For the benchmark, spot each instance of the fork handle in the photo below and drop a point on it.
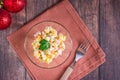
(66, 73)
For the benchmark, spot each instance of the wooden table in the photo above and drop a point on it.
(102, 18)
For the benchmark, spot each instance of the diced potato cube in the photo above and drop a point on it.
(49, 60)
(37, 55)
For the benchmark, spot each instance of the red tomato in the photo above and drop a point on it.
(5, 19)
(14, 5)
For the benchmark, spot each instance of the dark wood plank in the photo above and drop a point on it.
(88, 11)
(52, 2)
(10, 66)
(33, 9)
(30, 14)
(110, 38)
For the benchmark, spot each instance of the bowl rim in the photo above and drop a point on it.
(48, 64)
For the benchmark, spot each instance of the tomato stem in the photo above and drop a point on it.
(1, 3)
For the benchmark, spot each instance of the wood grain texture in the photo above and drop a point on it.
(101, 17)
(110, 38)
(88, 11)
(10, 66)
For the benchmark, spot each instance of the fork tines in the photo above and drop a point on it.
(84, 46)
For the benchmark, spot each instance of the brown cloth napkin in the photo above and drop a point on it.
(64, 14)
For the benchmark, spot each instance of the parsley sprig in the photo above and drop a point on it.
(44, 44)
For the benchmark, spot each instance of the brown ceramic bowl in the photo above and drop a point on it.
(40, 27)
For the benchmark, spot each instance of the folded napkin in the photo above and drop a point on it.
(64, 14)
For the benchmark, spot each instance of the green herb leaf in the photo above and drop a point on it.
(44, 44)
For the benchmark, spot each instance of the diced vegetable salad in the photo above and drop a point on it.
(48, 44)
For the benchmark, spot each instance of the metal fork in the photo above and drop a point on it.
(81, 50)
